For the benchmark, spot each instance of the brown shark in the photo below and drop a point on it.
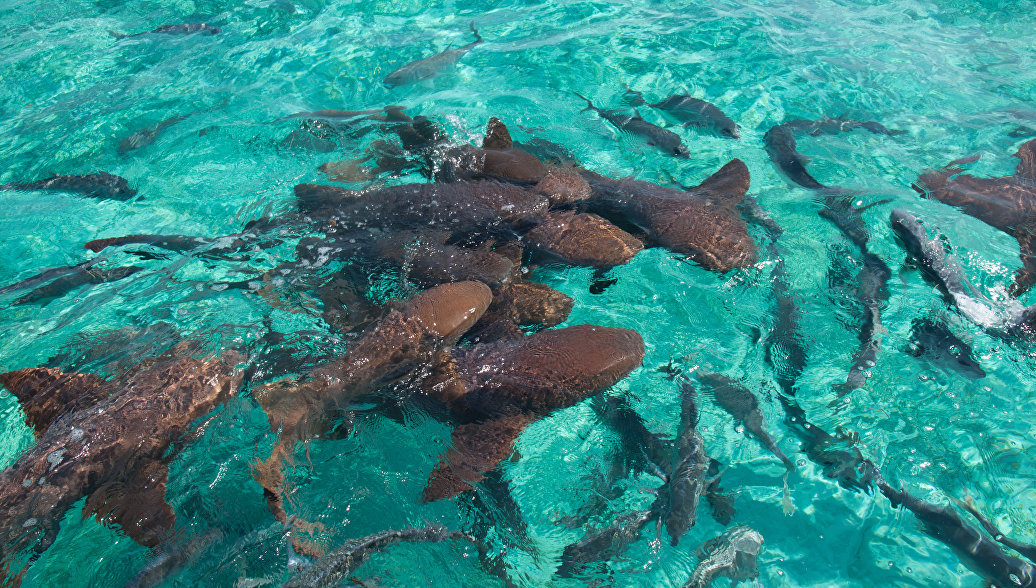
(583, 239)
(432, 261)
(107, 441)
(495, 390)
(457, 207)
(306, 408)
(520, 303)
(1007, 203)
(496, 159)
(702, 223)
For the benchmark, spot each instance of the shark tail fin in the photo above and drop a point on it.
(590, 105)
(478, 37)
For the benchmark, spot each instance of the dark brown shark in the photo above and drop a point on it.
(101, 185)
(583, 239)
(307, 408)
(495, 390)
(432, 261)
(107, 441)
(1007, 203)
(460, 207)
(517, 304)
(702, 222)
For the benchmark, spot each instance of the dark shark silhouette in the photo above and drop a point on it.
(429, 67)
(666, 141)
(976, 550)
(692, 112)
(933, 340)
(331, 569)
(174, 29)
(741, 404)
(101, 185)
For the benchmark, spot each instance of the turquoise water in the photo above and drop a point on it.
(956, 77)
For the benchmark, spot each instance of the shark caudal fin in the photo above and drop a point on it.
(633, 97)
(590, 105)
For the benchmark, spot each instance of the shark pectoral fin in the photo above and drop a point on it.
(477, 448)
(727, 186)
(47, 393)
(1027, 166)
(136, 504)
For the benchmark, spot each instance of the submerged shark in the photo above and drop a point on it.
(107, 441)
(732, 554)
(741, 404)
(429, 67)
(174, 29)
(147, 136)
(976, 550)
(692, 112)
(101, 185)
(1007, 203)
(939, 266)
(666, 141)
(331, 569)
(934, 341)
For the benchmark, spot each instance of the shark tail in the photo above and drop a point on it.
(590, 105)
(478, 37)
(117, 35)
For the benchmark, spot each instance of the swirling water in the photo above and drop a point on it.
(958, 77)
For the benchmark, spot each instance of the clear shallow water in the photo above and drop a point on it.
(956, 78)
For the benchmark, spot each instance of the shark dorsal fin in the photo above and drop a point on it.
(47, 393)
(1027, 166)
(727, 186)
(497, 135)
